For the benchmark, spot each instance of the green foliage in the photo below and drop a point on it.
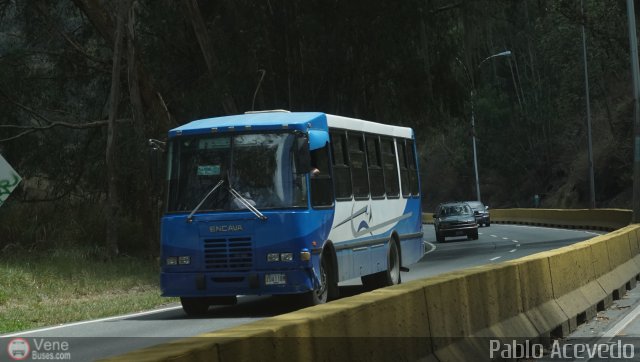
(391, 62)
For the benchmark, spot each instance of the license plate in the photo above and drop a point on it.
(275, 279)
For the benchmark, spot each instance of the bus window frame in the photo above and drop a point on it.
(322, 176)
(403, 166)
(397, 174)
(359, 135)
(415, 163)
(378, 152)
(342, 133)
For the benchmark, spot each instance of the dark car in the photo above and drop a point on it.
(481, 212)
(455, 219)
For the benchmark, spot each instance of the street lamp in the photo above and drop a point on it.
(635, 71)
(505, 53)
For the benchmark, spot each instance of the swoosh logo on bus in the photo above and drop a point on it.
(381, 225)
(353, 216)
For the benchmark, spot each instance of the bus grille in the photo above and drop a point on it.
(233, 254)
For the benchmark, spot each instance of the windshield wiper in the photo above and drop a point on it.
(190, 217)
(246, 203)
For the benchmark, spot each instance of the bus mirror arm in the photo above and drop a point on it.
(156, 145)
(156, 158)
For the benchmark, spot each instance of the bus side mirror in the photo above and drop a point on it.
(156, 158)
(303, 156)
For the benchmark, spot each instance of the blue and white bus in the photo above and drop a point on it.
(272, 203)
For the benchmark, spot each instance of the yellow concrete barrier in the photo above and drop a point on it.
(536, 293)
(434, 318)
(600, 219)
(574, 285)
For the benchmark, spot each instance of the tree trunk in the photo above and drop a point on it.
(152, 117)
(113, 203)
(145, 189)
(213, 63)
(154, 105)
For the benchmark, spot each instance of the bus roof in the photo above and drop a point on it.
(368, 126)
(290, 120)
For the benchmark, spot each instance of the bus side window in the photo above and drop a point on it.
(320, 161)
(321, 184)
(341, 169)
(413, 169)
(404, 168)
(376, 178)
(358, 166)
(391, 183)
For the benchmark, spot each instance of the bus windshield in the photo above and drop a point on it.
(259, 166)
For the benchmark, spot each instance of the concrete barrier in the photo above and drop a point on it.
(596, 219)
(446, 318)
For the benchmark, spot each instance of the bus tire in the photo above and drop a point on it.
(389, 277)
(328, 282)
(194, 307)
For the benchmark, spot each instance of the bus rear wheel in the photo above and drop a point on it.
(389, 277)
(195, 307)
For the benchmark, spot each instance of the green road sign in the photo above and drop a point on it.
(9, 179)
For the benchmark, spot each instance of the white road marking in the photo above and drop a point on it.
(493, 236)
(512, 251)
(505, 238)
(433, 247)
(91, 321)
(515, 241)
(496, 258)
(592, 233)
(622, 324)
(615, 330)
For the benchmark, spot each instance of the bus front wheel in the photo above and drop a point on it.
(391, 276)
(195, 307)
(328, 288)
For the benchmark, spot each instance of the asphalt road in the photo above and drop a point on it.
(94, 339)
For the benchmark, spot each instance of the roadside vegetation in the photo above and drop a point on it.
(68, 284)
(79, 235)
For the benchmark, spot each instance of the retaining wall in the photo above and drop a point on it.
(448, 317)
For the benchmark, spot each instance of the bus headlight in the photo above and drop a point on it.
(178, 260)
(273, 257)
(286, 257)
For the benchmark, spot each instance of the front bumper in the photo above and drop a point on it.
(202, 284)
(458, 231)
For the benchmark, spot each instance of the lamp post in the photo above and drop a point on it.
(635, 71)
(592, 187)
(505, 53)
